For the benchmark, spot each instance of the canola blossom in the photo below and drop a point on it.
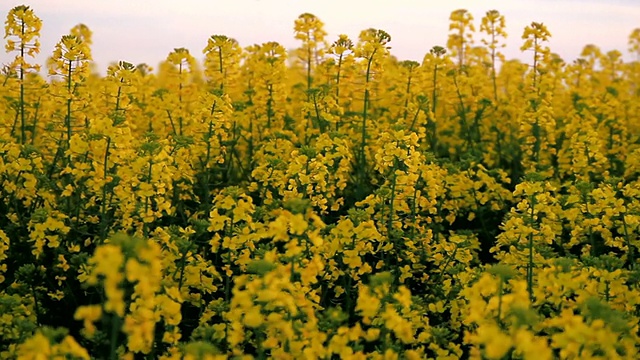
(329, 201)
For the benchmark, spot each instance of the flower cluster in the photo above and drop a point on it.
(331, 201)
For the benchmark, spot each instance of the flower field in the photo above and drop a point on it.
(324, 202)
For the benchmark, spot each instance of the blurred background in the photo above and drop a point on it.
(146, 31)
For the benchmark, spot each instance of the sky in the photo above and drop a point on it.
(146, 31)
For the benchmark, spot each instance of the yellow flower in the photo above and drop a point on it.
(253, 318)
(496, 343)
(368, 304)
(108, 262)
(69, 348)
(37, 347)
(89, 315)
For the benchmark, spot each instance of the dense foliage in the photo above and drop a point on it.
(326, 202)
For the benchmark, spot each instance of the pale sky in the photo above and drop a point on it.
(147, 30)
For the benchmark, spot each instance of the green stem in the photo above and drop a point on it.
(270, 102)
(631, 257)
(22, 117)
(414, 210)
(530, 261)
(462, 113)
(309, 79)
(319, 120)
(221, 69)
(35, 304)
(500, 290)
(173, 126)
(493, 61)
(183, 261)
(146, 201)
(208, 156)
(115, 328)
(446, 264)
(180, 99)
(393, 195)
(434, 97)
(338, 89)
(363, 141)
(103, 211)
(69, 100)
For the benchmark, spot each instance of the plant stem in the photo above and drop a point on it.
(103, 211)
(363, 141)
(530, 245)
(115, 328)
(22, 117)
